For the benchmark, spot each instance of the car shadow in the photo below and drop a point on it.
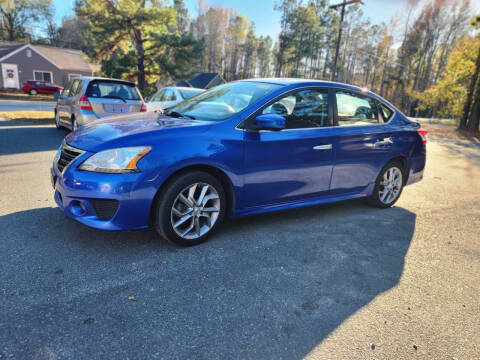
(268, 286)
(17, 137)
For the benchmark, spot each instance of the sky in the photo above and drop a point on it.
(267, 21)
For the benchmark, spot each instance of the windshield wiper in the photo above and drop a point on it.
(115, 97)
(176, 114)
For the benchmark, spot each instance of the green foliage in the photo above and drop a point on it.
(18, 15)
(449, 93)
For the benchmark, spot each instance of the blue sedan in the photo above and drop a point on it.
(243, 148)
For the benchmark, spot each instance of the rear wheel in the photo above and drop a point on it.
(33, 92)
(388, 186)
(190, 208)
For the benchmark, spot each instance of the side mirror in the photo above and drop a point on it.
(147, 99)
(272, 122)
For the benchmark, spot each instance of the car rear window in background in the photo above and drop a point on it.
(188, 93)
(355, 109)
(111, 89)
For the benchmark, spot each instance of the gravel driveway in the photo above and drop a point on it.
(339, 281)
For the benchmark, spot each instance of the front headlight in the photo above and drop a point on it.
(121, 160)
(57, 155)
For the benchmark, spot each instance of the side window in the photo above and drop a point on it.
(355, 109)
(158, 96)
(74, 88)
(169, 95)
(66, 89)
(302, 109)
(385, 112)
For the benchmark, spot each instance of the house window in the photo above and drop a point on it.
(43, 76)
(29, 53)
(71, 76)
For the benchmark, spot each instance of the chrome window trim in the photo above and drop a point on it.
(70, 148)
(318, 128)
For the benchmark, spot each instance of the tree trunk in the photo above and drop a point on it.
(141, 59)
(471, 89)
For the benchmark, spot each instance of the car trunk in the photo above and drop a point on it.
(106, 107)
(113, 97)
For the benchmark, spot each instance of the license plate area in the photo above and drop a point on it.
(116, 108)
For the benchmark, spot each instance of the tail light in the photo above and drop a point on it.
(143, 108)
(423, 134)
(84, 103)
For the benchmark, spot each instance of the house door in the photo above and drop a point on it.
(10, 76)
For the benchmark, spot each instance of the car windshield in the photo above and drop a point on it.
(188, 93)
(111, 89)
(222, 102)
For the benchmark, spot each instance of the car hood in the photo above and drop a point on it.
(130, 130)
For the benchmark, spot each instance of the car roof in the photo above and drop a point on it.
(181, 88)
(306, 82)
(90, 78)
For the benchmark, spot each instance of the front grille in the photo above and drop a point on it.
(104, 208)
(67, 156)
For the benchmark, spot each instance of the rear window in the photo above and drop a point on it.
(113, 90)
(188, 93)
(385, 111)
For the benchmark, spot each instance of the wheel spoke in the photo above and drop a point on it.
(182, 220)
(179, 213)
(209, 197)
(184, 200)
(191, 193)
(202, 195)
(197, 226)
(210, 209)
(187, 230)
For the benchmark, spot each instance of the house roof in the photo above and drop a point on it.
(7, 47)
(63, 58)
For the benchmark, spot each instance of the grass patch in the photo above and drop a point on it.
(28, 115)
(9, 95)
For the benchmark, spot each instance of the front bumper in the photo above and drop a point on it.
(103, 201)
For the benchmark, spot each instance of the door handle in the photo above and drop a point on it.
(386, 141)
(323, 147)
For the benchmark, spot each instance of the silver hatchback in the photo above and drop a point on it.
(86, 99)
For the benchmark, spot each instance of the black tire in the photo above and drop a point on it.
(57, 123)
(375, 198)
(74, 123)
(166, 199)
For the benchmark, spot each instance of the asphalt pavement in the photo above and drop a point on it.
(15, 105)
(338, 281)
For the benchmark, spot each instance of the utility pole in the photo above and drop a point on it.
(333, 76)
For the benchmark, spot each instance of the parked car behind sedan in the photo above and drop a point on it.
(293, 143)
(34, 87)
(169, 96)
(87, 99)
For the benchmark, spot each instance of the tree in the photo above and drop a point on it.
(471, 114)
(117, 24)
(18, 15)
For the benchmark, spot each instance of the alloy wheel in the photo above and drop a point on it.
(391, 185)
(195, 210)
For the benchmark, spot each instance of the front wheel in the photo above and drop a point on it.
(33, 92)
(74, 124)
(190, 208)
(57, 120)
(388, 186)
